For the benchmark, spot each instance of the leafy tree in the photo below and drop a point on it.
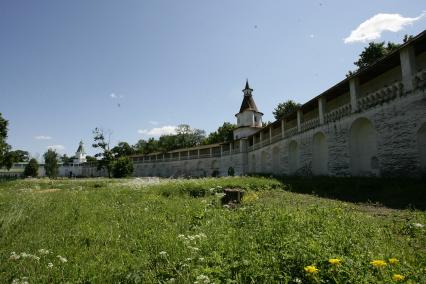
(407, 38)
(123, 149)
(123, 167)
(91, 159)
(21, 156)
(373, 52)
(4, 147)
(31, 169)
(66, 160)
(144, 147)
(188, 137)
(285, 108)
(12, 157)
(106, 156)
(185, 137)
(51, 163)
(224, 133)
(8, 160)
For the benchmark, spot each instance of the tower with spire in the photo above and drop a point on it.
(80, 154)
(249, 119)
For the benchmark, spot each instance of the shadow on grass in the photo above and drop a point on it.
(397, 193)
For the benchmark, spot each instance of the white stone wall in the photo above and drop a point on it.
(378, 128)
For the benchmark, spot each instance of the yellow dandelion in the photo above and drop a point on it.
(311, 269)
(378, 263)
(393, 261)
(335, 261)
(398, 277)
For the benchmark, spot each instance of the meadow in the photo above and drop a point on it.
(177, 231)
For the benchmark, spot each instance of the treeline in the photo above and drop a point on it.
(115, 160)
(185, 137)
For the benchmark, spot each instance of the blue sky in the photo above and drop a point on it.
(67, 67)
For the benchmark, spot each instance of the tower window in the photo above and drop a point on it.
(255, 119)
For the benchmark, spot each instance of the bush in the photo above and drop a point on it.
(231, 172)
(31, 169)
(123, 167)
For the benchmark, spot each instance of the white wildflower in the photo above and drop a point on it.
(50, 265)
(418, 225)
(297, 280)
(202, 279)
(62, 259)
(220, 195)
(163, 253)
(43, 251)
(193, 248)
(14, 256)
(201, 258)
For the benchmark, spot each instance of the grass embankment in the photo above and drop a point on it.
(101, 231)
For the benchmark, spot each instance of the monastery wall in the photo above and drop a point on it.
(370, 124)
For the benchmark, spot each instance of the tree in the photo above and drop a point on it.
(285, 108)
(31, 169)
(224, 133)
(123, 149)
(4, 147)
(407, 38)
(8, 160)
(123, 167)
(66, 160)
(106, 156)
(188, 137)
(16, 156)
(91, 159)
(51, 163)
(373, 52)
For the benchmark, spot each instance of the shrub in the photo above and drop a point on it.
(123, 167)
(31, 169)
(231, 172)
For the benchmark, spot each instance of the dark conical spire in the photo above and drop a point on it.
(248, 102)
(247, 90)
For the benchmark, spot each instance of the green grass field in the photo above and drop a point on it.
(177, 231)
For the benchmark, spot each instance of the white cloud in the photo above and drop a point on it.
(42, 137)
(311, 35)
(158, 131)
(115, 96)
(57, 148)
(153, 122)
(372, 28)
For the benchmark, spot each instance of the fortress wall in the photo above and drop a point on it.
(396, 125)
(371, 124)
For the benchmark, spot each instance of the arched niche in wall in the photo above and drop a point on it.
(215, 167)
(276, 160)
(293, 157)
(200, 168)
(421, 145)
(185, 169)
(264, 161)
(253, 163)
(363, 148)
(319, 154)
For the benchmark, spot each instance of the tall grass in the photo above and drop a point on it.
(132, 231)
